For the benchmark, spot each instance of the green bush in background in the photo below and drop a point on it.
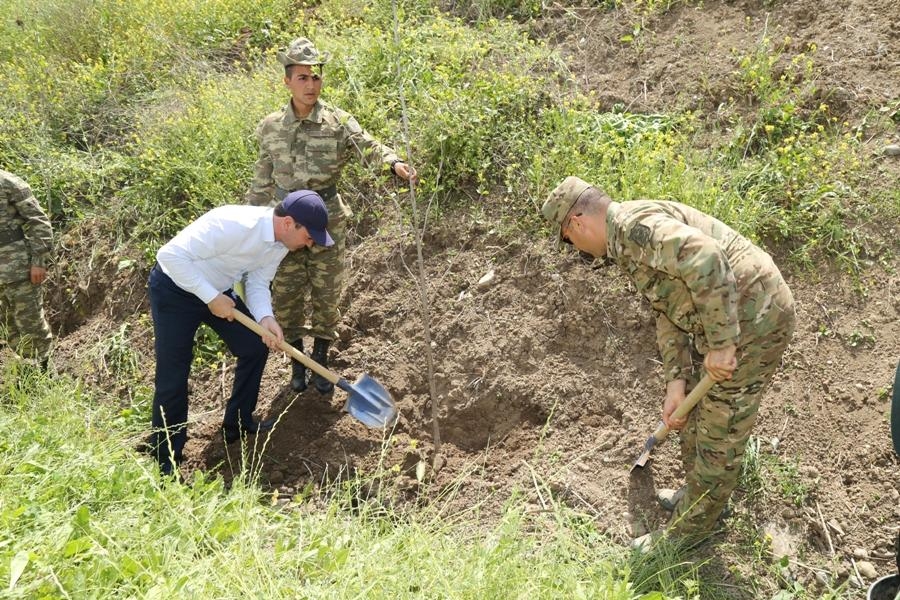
(146, 110)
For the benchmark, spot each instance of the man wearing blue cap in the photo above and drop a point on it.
(191, 284)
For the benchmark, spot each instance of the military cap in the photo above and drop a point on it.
(302, 52)
(561, 199)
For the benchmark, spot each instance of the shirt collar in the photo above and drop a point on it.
(612, 232)
(314, 116)
(268, 233)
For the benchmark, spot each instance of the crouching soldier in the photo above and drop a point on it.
(709, 288)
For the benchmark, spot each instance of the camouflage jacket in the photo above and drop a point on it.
(24, 229)
(703, 280)
(309, 153)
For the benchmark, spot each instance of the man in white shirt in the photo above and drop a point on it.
(191, 284)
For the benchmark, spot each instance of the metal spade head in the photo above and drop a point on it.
(645, 455)
(368, 402)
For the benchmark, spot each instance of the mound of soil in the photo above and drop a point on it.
(686, 56)
(547, 378)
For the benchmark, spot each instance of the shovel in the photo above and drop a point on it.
(367, 400)
(662, 431)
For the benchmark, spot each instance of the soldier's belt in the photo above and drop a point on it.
(8, 236)
(327, 193)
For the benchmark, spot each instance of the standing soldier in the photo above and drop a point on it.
(704, 281)
(305, 145)
(26, 240)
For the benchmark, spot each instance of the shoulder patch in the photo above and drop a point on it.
(639, 234)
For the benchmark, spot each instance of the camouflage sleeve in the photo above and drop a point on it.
(37, 228)
(370, 151)
(262, 187)
(679, 250)
(675, 348)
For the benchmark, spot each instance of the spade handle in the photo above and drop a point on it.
(287, 348)
(689, 403)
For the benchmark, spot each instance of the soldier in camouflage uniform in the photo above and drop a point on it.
(305, 145)
(708, 286)
(26, 240)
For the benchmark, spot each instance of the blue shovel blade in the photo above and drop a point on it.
(368, 402)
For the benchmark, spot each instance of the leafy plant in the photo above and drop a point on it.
(117, 357)
(209, 349)
(763, 474)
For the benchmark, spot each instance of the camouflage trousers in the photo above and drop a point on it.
(713, 441)
(22, 314)
(319, 272)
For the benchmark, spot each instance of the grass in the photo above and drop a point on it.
(84, 516)
(765, 474)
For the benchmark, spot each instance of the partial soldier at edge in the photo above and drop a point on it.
(709, 288)
(306, 145)
(26, 244)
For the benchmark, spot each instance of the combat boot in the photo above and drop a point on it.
(669, 498)
(298, 370)
(320, 355)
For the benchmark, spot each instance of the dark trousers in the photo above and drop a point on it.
(176, 316)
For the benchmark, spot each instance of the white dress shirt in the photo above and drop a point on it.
(213, 252)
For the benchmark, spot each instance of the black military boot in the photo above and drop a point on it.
(298, 370)
(320, 355)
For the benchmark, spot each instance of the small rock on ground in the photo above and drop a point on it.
(866, 569)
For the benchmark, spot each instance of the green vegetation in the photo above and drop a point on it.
(765, 477)
(151, 129)
(764, 474)
(84, 516)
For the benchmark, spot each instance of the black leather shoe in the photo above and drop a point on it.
(264, 425)
(233, 433)
(298, 370)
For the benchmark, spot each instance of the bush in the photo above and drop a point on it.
(146, 111)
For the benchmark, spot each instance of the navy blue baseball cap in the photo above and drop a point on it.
(307, 208)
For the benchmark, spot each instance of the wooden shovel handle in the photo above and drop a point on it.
(689, 403)
(287, 348)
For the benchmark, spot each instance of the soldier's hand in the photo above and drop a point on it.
(38, 275)
(275, 335)
(674, 397)
(222, 306)
(721, 363)
(405, 171)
